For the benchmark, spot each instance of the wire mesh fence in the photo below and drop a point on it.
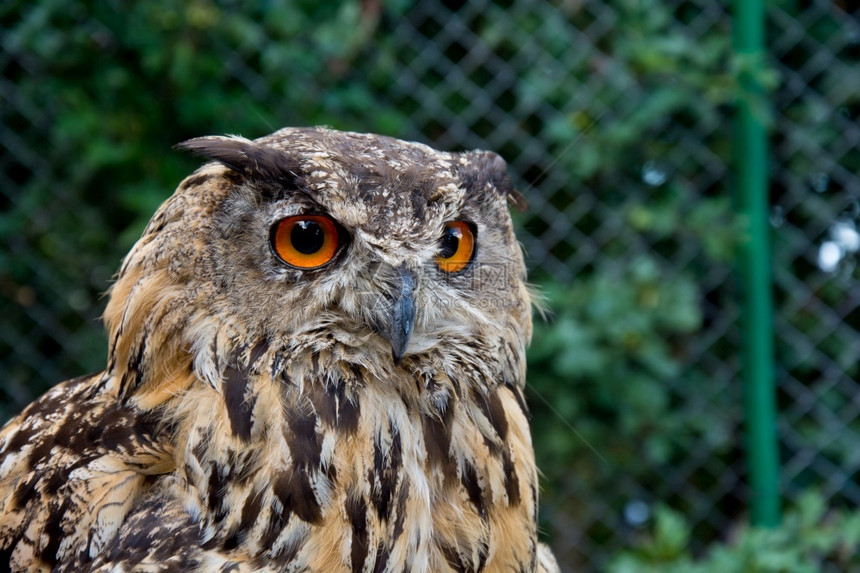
(615, 120)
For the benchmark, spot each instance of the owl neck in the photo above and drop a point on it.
(282, 453)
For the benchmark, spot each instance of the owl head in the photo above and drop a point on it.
(370, 251)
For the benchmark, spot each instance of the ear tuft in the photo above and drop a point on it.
(518, 200)
(487, 166)
(245, 156)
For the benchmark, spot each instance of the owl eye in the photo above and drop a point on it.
(305, 241)
(457, 246)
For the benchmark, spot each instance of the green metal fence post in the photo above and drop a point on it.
(751, 158)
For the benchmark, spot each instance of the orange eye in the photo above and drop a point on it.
(305, 241)
(456, 247)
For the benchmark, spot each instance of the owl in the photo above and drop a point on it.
(316, 363)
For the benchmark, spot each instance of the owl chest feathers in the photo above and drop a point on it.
(330, 468)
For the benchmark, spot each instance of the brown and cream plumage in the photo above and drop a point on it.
(316, 363)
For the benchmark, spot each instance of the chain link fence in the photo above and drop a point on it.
(615, 118)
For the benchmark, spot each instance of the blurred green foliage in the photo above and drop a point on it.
(615, 398)
(608, 360)
(811, 539)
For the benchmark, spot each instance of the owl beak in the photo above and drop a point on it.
(403, 315)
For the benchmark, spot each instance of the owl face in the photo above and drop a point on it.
(343, 241)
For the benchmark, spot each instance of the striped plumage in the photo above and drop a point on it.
(366, 414)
